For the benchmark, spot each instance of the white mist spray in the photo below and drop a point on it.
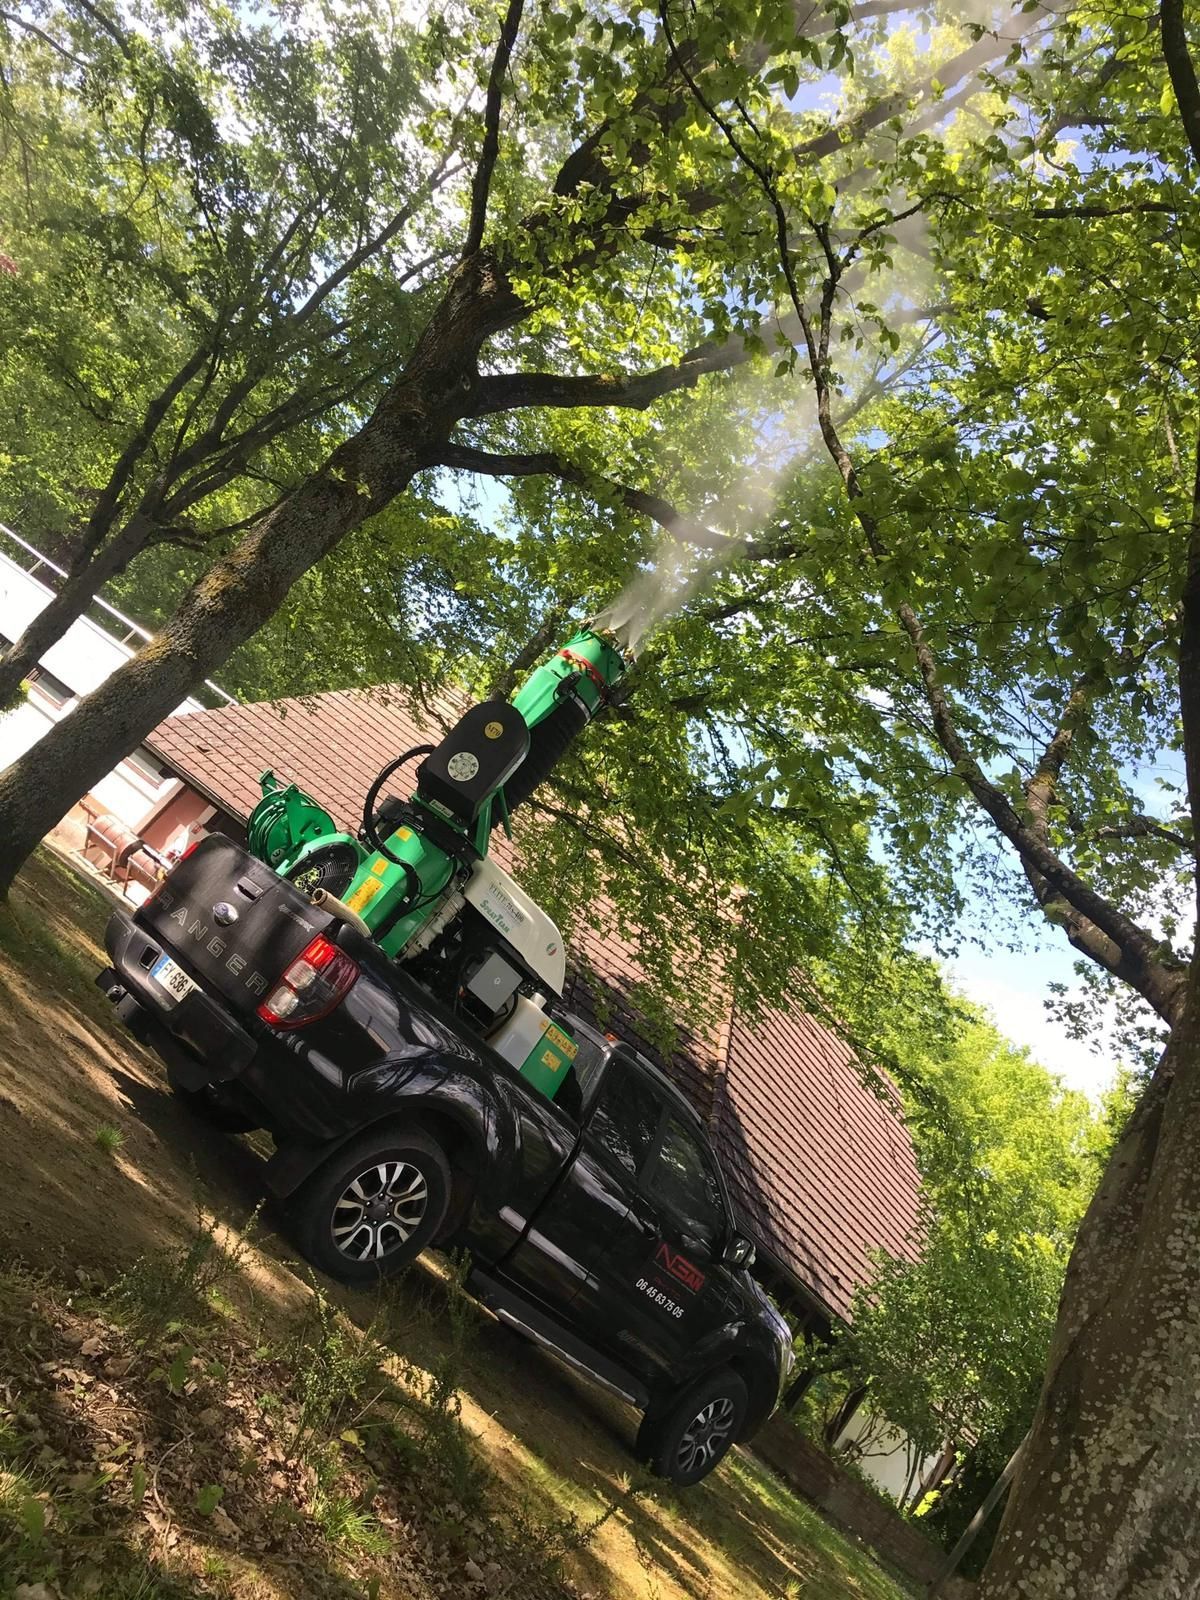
(676, 572)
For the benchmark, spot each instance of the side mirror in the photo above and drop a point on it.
(738, 1252)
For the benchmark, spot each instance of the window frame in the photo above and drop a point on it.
(627, 1060)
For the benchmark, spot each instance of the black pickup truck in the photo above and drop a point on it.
(597, 1223)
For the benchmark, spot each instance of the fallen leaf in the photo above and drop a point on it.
(92, 1347)
(225, 1524)
(33, 1591)
(474, 1571)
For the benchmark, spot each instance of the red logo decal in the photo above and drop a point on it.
(680, 1268)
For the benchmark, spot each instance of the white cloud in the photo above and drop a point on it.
(1018, 1010)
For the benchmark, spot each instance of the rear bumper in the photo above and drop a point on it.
(220, 1046)
(300, 1092)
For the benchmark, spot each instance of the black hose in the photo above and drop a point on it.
(368, 821)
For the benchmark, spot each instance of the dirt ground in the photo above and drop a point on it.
(99, 1164)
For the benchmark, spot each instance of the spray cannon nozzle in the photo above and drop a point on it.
(614, 636)
(591, 664)
(560, 698)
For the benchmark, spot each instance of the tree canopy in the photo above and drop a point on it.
(954, 1344)
(887, 318)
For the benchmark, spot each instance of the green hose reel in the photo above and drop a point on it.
(284, 820)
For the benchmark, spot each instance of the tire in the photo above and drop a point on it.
(373, 1207)
(210, 1107)
(693, 1434)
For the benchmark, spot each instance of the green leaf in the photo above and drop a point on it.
(179, 1370)
(33, 1518)
(208, 1498)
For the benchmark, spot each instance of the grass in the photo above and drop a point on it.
(109, 1140)
(361, 1444)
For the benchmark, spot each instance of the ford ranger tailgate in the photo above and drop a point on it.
(234, 924)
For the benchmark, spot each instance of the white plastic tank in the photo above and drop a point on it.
(517, 1036)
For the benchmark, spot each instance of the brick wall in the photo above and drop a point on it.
(852, 1507)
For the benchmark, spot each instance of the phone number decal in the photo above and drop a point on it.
(660, 1299)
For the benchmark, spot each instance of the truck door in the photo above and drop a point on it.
(625, 1248)
(589, 1212)
(679, 1282)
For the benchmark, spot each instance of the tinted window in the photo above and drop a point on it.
(579, 1081)
(684, 1180)
(626, 1116)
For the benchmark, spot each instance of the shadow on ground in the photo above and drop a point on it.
(555, 1446)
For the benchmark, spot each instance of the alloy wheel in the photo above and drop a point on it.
(706, 1436)
(378, 1211)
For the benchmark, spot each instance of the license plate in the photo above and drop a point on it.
(171, 978)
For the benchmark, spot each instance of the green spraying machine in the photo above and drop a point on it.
(417, 879)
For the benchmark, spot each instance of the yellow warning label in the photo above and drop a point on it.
(379, 866)
(561, 1041)
(493, 730)
(554, 1062)
(364, 894)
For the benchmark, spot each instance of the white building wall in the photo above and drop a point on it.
(24, 727)
(81, 660)
(882, 1453)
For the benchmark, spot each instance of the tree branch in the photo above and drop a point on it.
(1181, 71)
(1189, 661)
(482, 181)
(508, 391)
(543, 636)
(1041, 788)
(547, 463)
(765, 176)
(949, 75)
(1141, 828)
(1096, 927)
(31, 27)
(105, 509)
(109, 27)
(1040, 794)
(1049, 213)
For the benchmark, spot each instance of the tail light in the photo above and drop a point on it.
(318, 979)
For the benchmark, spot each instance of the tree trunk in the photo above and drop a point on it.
(234, 598)
(408, 431)
(1106, 1505)
(68, 605)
